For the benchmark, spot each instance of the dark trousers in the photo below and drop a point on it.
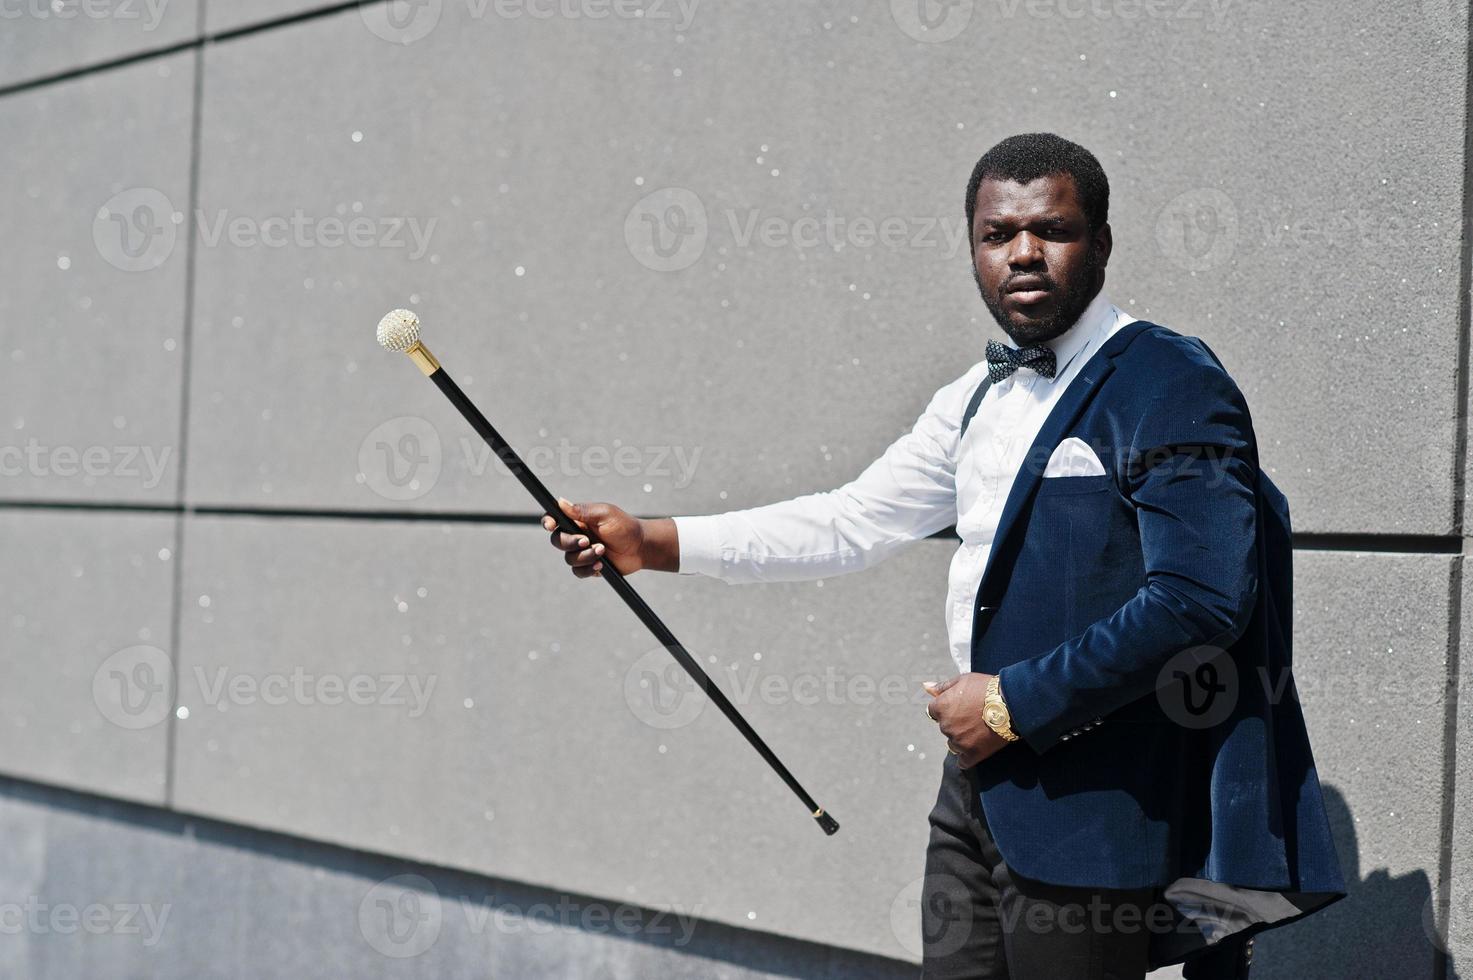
(982, 921)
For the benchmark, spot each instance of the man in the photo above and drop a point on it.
(1129, 782)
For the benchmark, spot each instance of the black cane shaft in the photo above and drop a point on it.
(503, 450)
(633, 599)
(698, 674)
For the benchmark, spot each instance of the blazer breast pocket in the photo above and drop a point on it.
(1051, 485)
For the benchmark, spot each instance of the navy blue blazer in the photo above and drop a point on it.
(1115, 607)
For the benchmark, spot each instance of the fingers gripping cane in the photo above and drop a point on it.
(399, 331)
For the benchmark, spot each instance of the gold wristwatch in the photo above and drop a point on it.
(995, 710)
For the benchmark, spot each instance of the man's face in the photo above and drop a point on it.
(1033, 256)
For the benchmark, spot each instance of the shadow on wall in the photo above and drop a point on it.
(207, 899)
(224, 882)
(1382, 929)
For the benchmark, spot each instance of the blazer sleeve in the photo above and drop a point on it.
(1190, 473)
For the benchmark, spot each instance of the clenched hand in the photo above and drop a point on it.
(957, 709)
(626, 541)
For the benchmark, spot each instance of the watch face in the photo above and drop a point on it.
(995, 715)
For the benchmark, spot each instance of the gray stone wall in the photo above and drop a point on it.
(688, 255)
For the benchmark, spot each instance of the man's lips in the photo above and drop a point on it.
(1027, 290)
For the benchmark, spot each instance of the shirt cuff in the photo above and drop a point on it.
(700, 545)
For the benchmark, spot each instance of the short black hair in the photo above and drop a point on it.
(1029, 156)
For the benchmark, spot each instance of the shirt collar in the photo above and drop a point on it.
(1091, 322)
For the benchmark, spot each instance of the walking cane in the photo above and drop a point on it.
(399, 331)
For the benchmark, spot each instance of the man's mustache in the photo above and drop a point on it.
(1039, 280)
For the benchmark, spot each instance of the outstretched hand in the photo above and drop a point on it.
(620, 539)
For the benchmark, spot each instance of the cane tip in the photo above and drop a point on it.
(398, 330)
(829, 824)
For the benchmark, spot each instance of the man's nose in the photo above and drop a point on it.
(1027, 251)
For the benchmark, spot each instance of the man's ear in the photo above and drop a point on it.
(1104, 244)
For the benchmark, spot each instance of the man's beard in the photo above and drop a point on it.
(1070, 301)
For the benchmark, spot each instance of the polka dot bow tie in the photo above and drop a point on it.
(1003, 360)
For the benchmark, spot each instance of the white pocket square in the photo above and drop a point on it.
(1073, 457)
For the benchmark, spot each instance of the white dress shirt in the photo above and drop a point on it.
(912, 491)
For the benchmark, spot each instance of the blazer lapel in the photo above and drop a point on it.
(1065, 412)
